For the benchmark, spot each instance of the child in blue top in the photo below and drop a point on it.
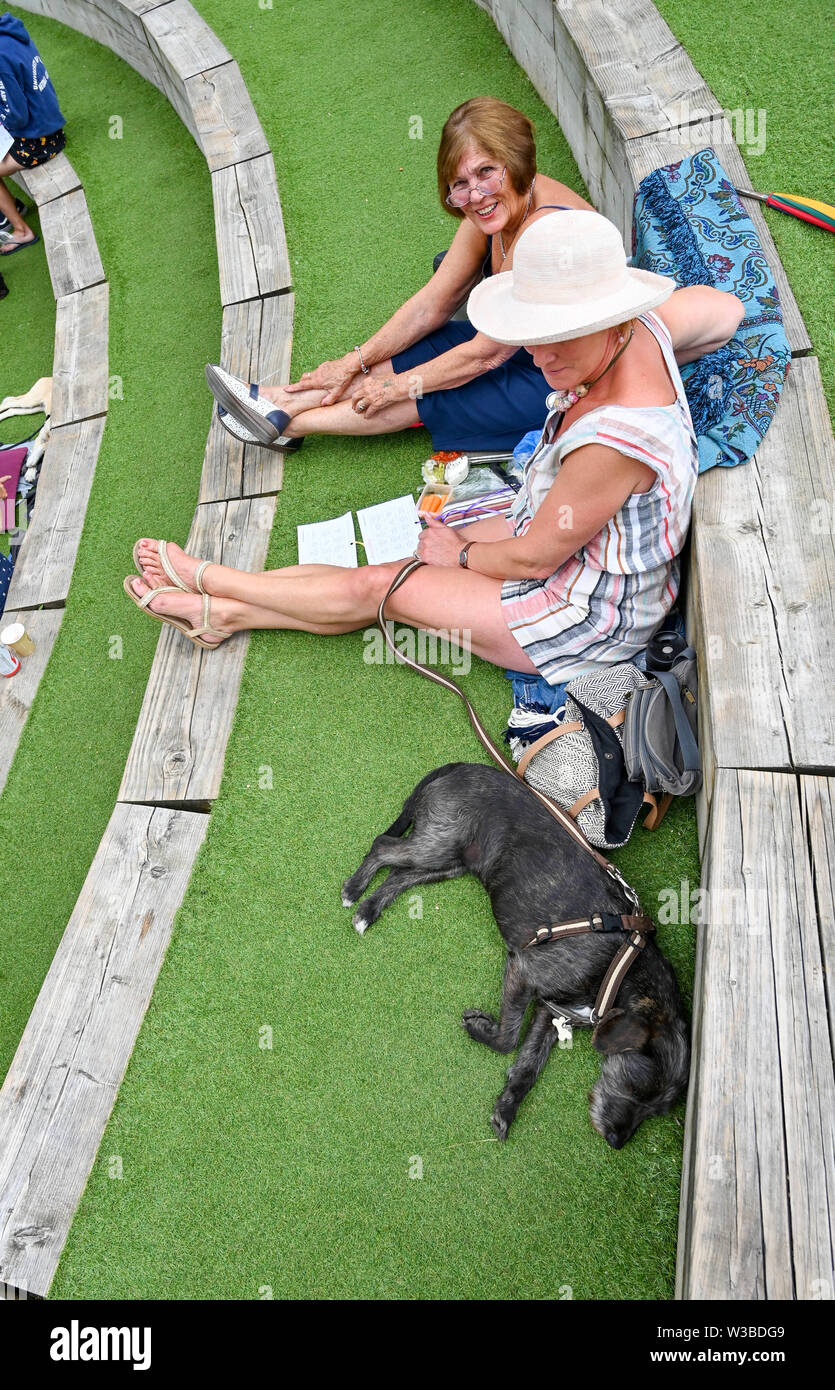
(31, 116)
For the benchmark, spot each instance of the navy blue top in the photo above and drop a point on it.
(28, 103)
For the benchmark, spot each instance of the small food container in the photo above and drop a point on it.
(446, 468)
(434, 498)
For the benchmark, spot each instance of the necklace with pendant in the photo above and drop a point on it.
(563, 400)
(522, 223)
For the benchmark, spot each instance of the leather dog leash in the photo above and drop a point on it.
(637, 923)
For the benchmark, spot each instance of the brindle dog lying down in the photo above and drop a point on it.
(470, 818)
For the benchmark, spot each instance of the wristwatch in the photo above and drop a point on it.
(462, 554)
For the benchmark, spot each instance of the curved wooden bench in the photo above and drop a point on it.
(45, 562)
(758, 1183)
(90, 1008)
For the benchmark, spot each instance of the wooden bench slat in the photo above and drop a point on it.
(759, 1177)
(71, 250)
(182, 40)
(48, 181)
(140, 7)
(641, 71)
(256, 344)
(79, 370)
(183, 728)
(528, 31)
(60, 1088)
(767, 529)
(251, 247)
(45, 564)
(18, 692)
(226, 126)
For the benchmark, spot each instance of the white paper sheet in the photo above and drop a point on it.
(390, 530)
(328, 542)
(6, 141)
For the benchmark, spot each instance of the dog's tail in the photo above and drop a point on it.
(407, 815)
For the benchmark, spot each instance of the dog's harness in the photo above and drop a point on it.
(637, 923)
(639, 927)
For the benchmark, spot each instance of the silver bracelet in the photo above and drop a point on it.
(365, 370)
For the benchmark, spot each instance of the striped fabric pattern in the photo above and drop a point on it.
(605, 602)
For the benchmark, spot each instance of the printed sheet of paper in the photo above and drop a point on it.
(390, 530)
(328, 542)
(6, 141)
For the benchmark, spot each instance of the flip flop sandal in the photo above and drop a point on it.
(242, 399)
(284, 444)
(170, 570)
(12, 245)
(194, 634)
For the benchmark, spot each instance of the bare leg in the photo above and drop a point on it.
(230, 616)
(309, 416)
(450, 601)
(21, 231)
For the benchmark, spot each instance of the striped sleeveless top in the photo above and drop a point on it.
(605, 602)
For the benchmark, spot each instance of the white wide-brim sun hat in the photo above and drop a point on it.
(569, 279)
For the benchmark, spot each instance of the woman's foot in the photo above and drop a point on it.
(189, 608)
(185, 566)
(15, 239)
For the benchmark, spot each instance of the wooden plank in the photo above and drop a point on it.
(742, 688)
(759, 1181)
(113, 23)
(71, 250)
(644, 76)
(227, 128)
(18, 692)
(181, 735)
(256, 344)
(182, 40)
(249, 228)
(63, 1081)
(642, 156)
(45, 564)
(527, 27)
(48, 181)
(765, 533)
(79, 370)
(141, 7)
(818, 818)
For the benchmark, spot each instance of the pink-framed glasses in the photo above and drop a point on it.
(459, 197)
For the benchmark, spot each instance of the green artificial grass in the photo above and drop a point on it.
(293, 1169)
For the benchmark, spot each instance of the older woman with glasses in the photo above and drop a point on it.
(470, 392)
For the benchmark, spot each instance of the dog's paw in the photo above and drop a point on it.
(479, 1025)
(500, 1123)
(359, 921)
(349, 895)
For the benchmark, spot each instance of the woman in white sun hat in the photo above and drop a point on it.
(584, 567)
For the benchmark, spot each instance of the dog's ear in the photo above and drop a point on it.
(621, 1032)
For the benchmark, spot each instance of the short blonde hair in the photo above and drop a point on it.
(500, 130)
